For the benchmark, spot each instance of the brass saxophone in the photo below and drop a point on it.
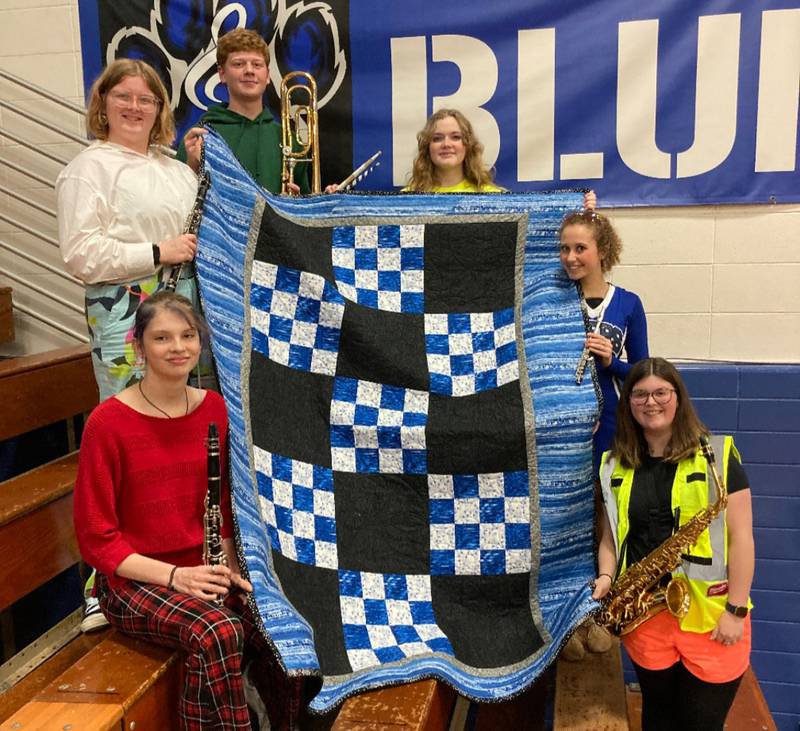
(213, 553)
(635, 597)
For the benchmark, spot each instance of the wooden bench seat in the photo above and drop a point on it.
(37, 539)
(120, 683)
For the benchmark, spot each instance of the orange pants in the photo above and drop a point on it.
(660, 642)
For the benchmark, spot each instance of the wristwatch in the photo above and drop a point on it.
(156, 255)
(740, 612)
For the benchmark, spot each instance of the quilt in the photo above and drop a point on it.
(410, 453)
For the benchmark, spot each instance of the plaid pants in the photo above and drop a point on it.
(218, 642)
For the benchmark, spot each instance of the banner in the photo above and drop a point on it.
(410, 453)
(658, 103)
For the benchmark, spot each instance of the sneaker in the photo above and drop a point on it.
(93, 618)
(598, 639)
(573, 651)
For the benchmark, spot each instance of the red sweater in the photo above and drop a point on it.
(142, 483)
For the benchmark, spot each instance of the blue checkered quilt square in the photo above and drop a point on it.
(377, 428)
(471, 352)
(380, 266)
(298, 507)
(296, 318)
(388, 617)
(480, 524)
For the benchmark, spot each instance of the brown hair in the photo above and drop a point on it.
(171, 301)
(423, 173)
(629, 443)
(240, 39)
(163, 132)
(609, 244)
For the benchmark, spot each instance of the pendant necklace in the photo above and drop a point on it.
(185, 393)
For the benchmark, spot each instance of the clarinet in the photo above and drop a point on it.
(213, 553)
(191, 226)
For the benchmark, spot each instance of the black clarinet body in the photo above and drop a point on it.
(192, 226)
(213, 553)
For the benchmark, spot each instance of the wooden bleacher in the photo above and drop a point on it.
(99, 681)
(6, 316)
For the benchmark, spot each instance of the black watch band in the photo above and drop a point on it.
(736, 611)
(156, 255)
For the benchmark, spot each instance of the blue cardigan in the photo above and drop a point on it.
(625, 325)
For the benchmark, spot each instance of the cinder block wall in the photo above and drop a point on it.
(760, 406)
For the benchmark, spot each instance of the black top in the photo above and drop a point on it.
(650, 509)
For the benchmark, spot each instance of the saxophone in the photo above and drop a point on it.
(635, 597)
(213, 553)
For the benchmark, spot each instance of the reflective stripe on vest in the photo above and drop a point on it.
(693, 489)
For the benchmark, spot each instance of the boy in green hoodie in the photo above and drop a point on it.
(244, 122)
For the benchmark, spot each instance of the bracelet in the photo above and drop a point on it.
(611, 578)
(156, 255)
(170, 585)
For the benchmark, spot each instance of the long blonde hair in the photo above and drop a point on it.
(423, 173)
(163, 132)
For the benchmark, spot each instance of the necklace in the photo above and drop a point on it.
(185, 394)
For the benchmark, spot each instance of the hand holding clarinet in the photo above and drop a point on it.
(215, 579)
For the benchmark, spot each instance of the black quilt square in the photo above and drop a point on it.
(314, 592)
(484, 432)
(278, 239)
(469, 267)
(382, 522)
(383, 347)
(290, 411)
(486, 618)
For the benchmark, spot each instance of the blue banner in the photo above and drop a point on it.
(659, 103)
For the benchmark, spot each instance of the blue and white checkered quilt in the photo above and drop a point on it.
(410, 454)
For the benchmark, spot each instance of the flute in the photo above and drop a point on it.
(213, 553)
(585, 355)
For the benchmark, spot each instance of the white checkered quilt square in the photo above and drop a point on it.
(381, 266)
(298, 508)
(388, 617)
(471, 352)
(296, 318)
(480, 524)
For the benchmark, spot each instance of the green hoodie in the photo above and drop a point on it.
(256, 143)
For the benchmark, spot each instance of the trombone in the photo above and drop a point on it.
(294, 147)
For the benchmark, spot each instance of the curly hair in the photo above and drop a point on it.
(163, 131)
(629, 443)
(609, 244)
(240, 39)
(423, 174)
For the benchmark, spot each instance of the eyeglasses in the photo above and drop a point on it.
(661, 396)
(124, 99)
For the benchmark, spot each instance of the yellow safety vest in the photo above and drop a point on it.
(705, 567)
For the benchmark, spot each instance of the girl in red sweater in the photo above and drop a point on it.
(139, 506)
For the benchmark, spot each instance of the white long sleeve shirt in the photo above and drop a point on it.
(113, 205)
